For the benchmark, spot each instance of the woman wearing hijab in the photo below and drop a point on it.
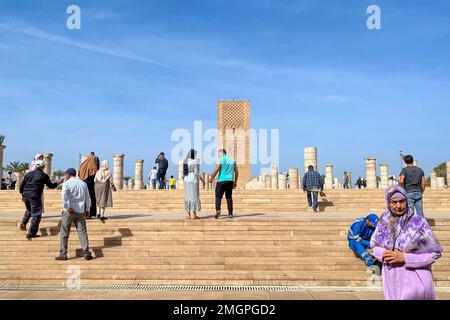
(407, 247)
(191, 177)
(87, 172)
(103, 188)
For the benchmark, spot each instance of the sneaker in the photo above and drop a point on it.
(103, 218)
(88, 257)
(23, 227)
(29, 236)
(230, 215)
(60, 257)
(217, 215)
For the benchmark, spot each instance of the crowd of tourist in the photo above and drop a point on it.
(400, 241)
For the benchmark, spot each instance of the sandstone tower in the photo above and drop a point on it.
(233, 125)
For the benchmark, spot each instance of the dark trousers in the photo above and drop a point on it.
(161, 177)
(34, 211)
(91, 187)
(227, 188)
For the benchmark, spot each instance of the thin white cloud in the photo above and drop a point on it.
(32, 31)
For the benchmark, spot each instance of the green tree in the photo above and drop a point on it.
(441, 171)
(59, 174)
(126, 179)
(14, 166)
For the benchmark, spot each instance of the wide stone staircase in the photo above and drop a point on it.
(154, 201)
(308, 251)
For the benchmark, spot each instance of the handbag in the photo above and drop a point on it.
(113, 188)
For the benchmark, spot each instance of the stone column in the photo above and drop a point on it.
(206, 181)
(311, 158)
(2, 147)
(19, 179)
(139, 175)
(131, 184)
(118, 171)
(180, 184)
(448, 174)
(293, 178)
(274, 180)
(268, 184)
(371, 173)
(384, 176)
(336, 183)
(282, 181)
(48, 163)
(416, 163)
(349, 174)
(433, 180)
(328, 176)
(440, 182)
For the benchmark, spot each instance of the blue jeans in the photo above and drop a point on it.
(153, 184)
(346, 185)
(360, 250)
(415, 201)
(313, 202)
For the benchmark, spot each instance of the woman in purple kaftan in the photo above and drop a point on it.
(406, 245)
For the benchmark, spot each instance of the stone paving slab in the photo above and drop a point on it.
(210, 295)
(139, 216)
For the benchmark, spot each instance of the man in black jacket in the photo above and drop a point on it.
(31, 190)
(163, 164)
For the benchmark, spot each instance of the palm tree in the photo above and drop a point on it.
(18, 169)
(126, 179)
(14, 166)
(59, 174)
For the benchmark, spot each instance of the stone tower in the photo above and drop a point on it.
(233, 125)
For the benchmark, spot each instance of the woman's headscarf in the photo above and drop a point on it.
(33, 163)
(88, 168)
(409, 233)
(103, 174)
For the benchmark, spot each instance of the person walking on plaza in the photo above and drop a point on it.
(31, 189)
(172, 183)
(312, 185)
(163, 165)
(32, 167)
(346, 180)
(103, 190)
(405, 244)
(76, 202)
(88, 170)
(364, 183)
(412, 179)
(359, 235)
(228, 176)
(191, 178)
(359, 182)
(152, 177)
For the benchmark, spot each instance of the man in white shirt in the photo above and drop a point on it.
(152, 177)
(77, 203)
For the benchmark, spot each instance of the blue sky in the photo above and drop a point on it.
(137, 70)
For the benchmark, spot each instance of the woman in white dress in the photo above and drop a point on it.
(191, 177)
